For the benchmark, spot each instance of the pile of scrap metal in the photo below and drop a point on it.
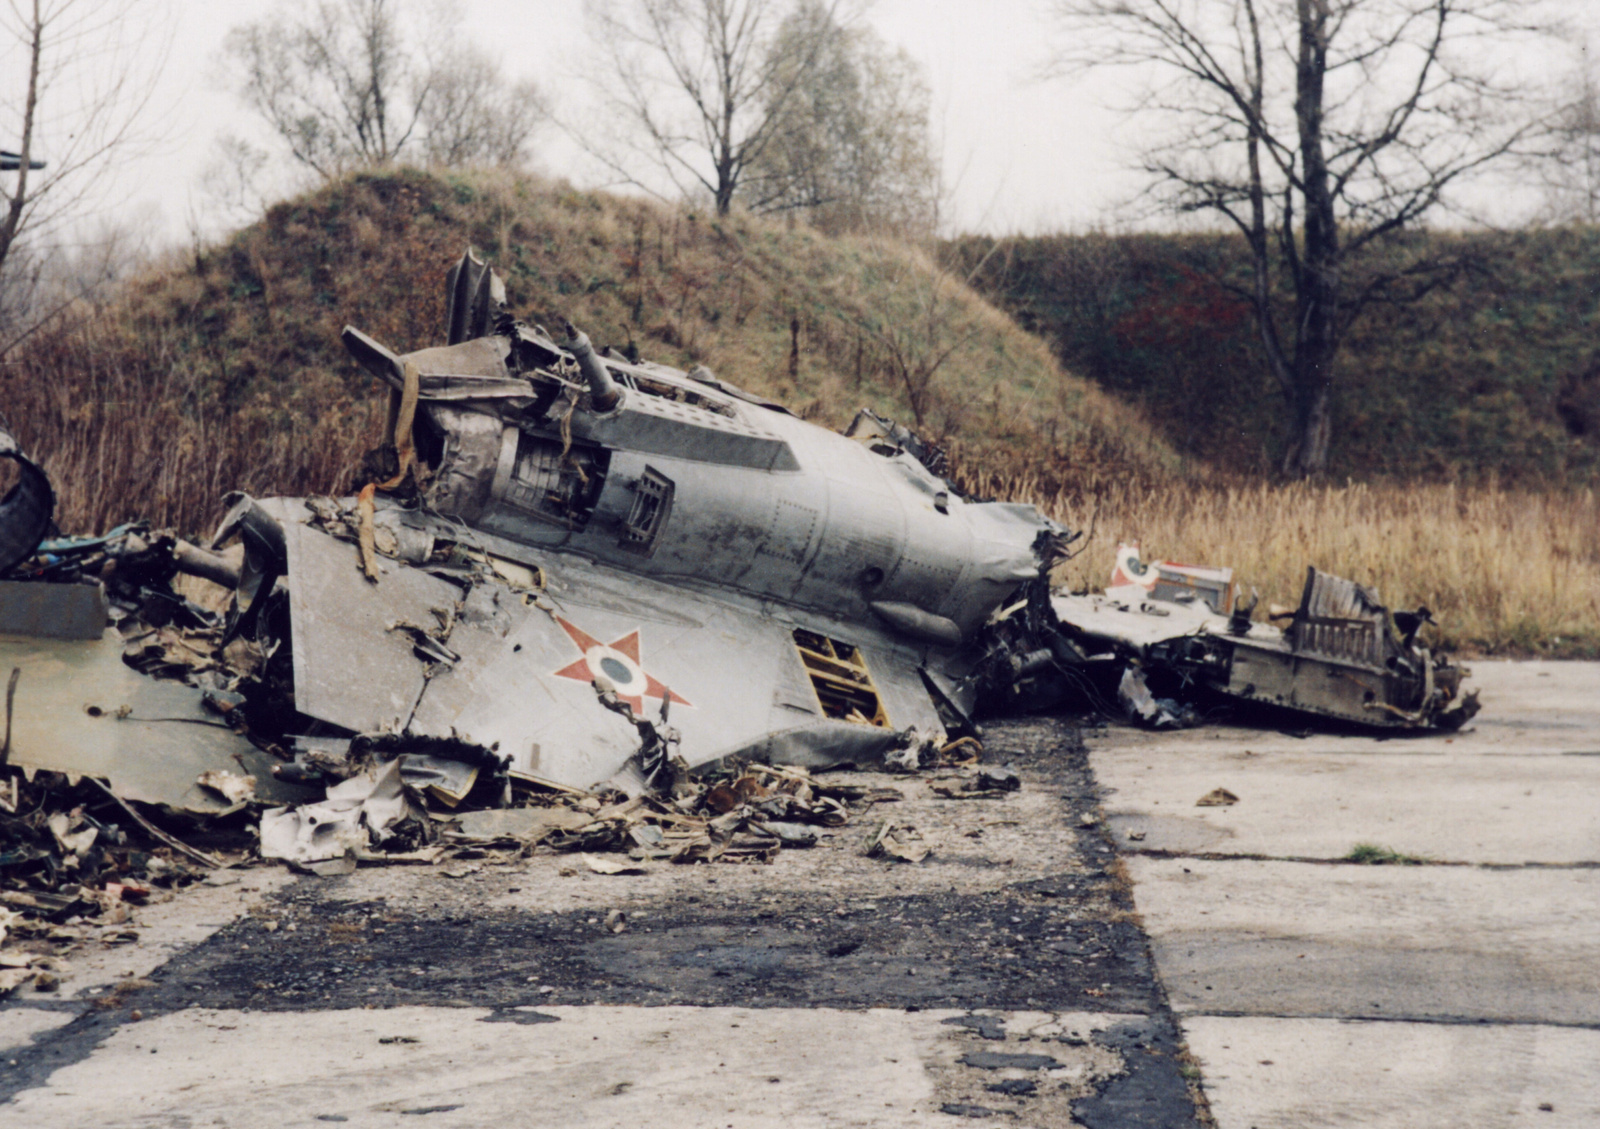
(151, 675)
(1174, 644)
(182, 743)
(577, 583)
(74, 853)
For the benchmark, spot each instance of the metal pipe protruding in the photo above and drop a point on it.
(604, 395)
(219, 568)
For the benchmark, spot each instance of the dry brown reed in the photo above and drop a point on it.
(123, 432)
(1504, 571)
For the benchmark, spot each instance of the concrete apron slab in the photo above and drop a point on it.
(1445, 943)
(571, 1066)
(1517, 788)
(1538, 706)
(1289, 976)
(170, 925)
(1307, 1073)
(1319, 802)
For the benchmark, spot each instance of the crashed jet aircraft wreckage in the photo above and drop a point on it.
(589, 572)
(1342, 655)
(590, 567)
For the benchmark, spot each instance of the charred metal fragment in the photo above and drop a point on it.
(476, 298)
(26, 509)
(266, 559)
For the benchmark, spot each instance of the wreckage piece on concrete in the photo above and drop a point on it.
(1341, 657)
(591, 544)
(356, 813)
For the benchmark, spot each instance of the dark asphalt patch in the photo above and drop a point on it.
(1152, 1093)
(1067, 943)
(1003, 950)
(984, 1026)
(961, 1109)
(996, 1060)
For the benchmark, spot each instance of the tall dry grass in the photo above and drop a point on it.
(1504, 571)
(125, 430)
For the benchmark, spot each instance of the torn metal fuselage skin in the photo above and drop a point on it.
(1342, 655)
(572, 545)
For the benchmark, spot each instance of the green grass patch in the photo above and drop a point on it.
(1369, 854)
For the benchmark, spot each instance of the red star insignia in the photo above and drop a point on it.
(620, 664)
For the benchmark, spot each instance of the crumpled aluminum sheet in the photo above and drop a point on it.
(357, 812)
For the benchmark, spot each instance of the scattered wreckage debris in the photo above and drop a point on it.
(596, 606)
(72, 866)
(26, 509)
(1177, 641)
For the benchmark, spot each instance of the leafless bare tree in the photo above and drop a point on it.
(76, 82)
(1321, 130)
(333, 80)
(347, 83)
(703, 86)
(851, 149)
(914, 314)
(231, 188)
(1570, 167)
(472, 115)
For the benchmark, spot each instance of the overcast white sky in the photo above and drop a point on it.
(1020, 154)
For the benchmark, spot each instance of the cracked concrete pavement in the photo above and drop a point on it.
(1457, 985)
(1229, 963)
(1003, 981)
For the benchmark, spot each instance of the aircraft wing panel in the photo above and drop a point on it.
(525, 663)
(532, 691)
(353, 661)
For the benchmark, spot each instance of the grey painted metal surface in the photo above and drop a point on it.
(523, 679)
(352, 667)
(52, 611)
(80, 709)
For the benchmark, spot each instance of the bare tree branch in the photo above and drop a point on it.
(1322, 130)
(347, 83)
(75, 97)
(703, 86)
